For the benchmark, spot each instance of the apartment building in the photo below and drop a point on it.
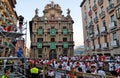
(101, 26)
(52, 33)
(8, 21)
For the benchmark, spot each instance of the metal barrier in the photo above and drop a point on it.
(19, 70)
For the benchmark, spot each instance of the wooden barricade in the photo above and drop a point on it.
(74, 74)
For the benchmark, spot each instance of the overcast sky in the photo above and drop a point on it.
(26, 8)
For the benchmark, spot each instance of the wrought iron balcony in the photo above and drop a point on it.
(2, 6)
(110, 8)
(96, 19)
(90, 24)
(94, 8)
(100, 2)
(92, 35)
(2, 18)
(104, 45)
(118, 13)
(112, 25)
(92, 47)
(90, 12)
(90, 31)
(102, 14)
(103, 31)
(114, 43)
(43, 43)
(97, 33)
(97, 46)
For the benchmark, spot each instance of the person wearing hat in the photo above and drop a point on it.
(6, 73)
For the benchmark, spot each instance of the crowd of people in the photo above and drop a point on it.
(94, 64)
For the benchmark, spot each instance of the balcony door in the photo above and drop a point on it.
(52, 54)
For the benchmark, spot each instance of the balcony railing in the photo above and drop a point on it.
(103, 31)
(96, 19)
(114, 43)
(102, 14)
(2, 6)
(2, 18)
(100, 2)
(92, 47)
(90, 31)
(55, 43)
(97, 46)
(6, 12)
(112, 25)
(110, 7)
(104, 46)
(97, 33)
(90, 12)
(94, 8)
(92, 35)
(90, 24)
(118, 13)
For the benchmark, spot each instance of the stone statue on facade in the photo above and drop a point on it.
(36, 11)
(68, 11)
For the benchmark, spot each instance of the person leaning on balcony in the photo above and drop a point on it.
(6, 73)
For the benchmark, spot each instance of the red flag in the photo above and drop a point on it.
(9, 28)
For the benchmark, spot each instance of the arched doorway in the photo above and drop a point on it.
(52, 54)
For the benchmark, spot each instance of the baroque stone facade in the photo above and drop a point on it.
(52, 33)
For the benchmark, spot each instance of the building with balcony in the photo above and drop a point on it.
(105, 18)
(52, 33)
(8, 21)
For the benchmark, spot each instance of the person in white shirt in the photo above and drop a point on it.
(93, 69)
(50, 74)
(68, 67)
(101, 72)
(101, 64)
(83, 66)
(111, 66)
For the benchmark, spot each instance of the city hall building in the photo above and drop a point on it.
(51, 34)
